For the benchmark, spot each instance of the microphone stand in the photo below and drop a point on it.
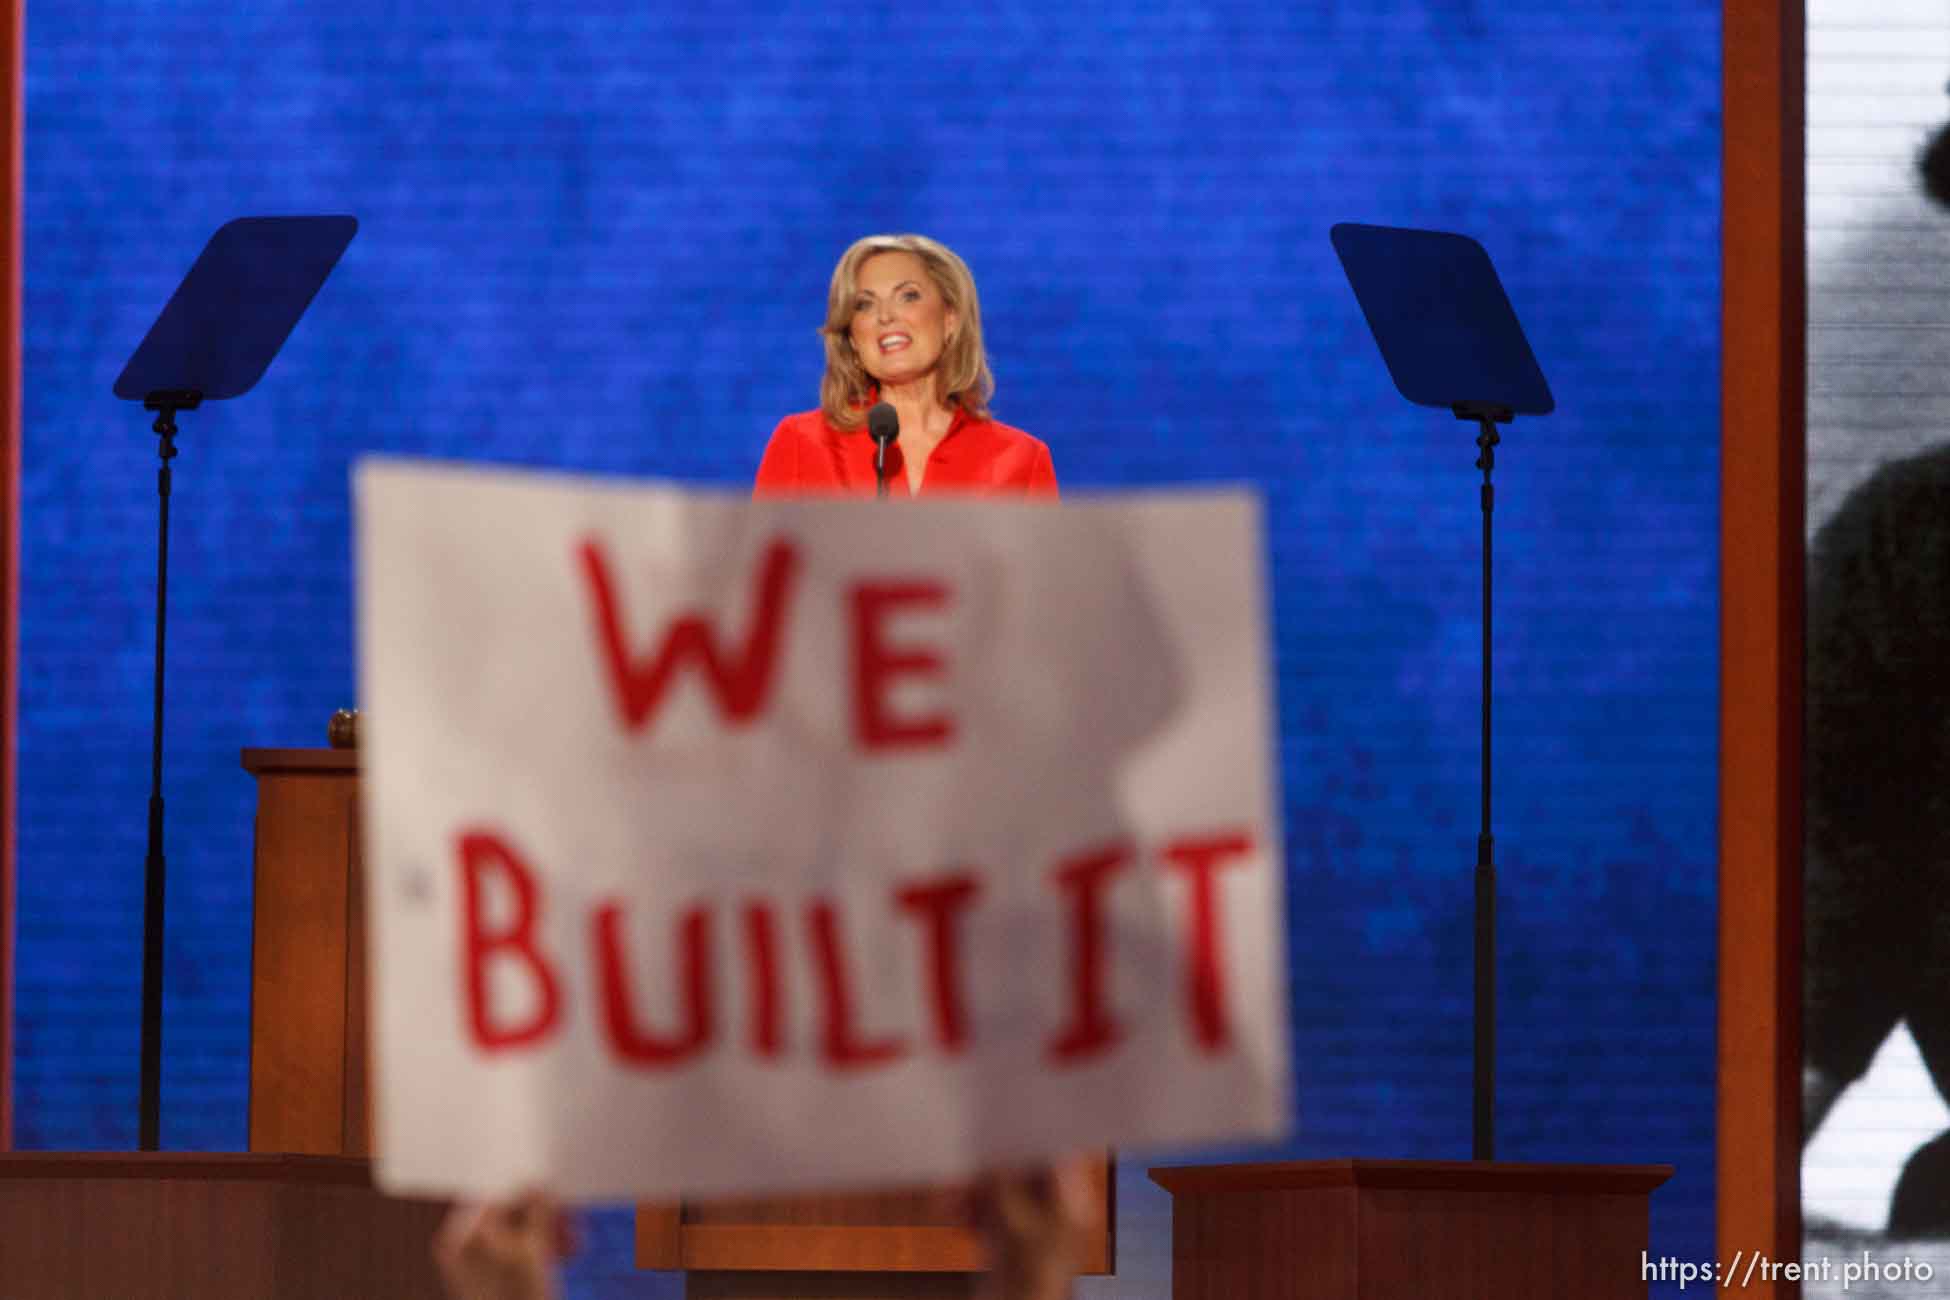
(880, 465)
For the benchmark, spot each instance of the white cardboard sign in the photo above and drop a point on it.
(722, 847)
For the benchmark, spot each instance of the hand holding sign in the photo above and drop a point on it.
(717, 847)
(502, 1251)
(1037, 1225)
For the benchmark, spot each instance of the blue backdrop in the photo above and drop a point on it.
(597, 235)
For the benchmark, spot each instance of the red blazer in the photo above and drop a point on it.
(809, 457)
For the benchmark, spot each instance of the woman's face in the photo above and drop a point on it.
(901, 324)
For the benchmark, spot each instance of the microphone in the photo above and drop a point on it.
(884, 425)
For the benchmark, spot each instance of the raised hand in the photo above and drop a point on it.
(502, 1251)
(1038, 1225)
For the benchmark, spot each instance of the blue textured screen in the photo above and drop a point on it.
(597, 235)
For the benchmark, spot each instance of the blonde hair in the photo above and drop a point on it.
(961, 378)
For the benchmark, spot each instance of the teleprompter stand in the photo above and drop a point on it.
(214, 339)
(1451, 339)
(1438, 1230)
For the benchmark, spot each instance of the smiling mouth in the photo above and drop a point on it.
(894, 342)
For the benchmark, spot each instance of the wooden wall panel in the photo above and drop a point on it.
(1762, 494)
(12, 151)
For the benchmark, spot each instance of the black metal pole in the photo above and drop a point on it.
(150, 1104)
(1483, 1146)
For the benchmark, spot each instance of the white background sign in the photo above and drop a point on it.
(719, 847)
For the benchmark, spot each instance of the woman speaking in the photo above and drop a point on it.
(903, 328)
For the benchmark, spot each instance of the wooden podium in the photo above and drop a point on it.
(309, 1089)
(298, 1217)
(1435, 1230)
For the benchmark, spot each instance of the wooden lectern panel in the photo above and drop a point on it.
(904, 1232)
(163, 1226)
(1435, 1230)
(308, 1049)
